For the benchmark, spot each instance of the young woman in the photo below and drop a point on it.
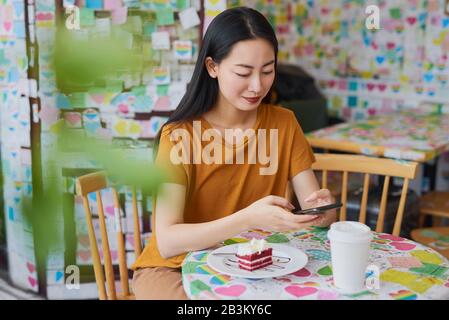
(211, 196)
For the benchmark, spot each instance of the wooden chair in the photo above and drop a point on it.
(435, 204)
(95, 182)
(368, 166)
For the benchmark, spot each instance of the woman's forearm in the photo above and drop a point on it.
(180, 238)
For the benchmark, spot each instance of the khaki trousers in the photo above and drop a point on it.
(158, 283)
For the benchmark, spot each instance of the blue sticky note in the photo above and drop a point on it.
(143, 104)
(19, 8)
(94, 4)
(91, 127)
(352, 102)
(19, 29)
(359, 116)
(13, 76)
(62, 102)
(353, 86)
(445, 22)
(428, 77)
(11, 213)
(59, 275)
(3, 59)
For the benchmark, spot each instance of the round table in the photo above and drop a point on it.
(407, 270)
(436, 238)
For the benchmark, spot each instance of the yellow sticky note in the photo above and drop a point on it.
(57, 126)
(423, 284)
(404, 79)
(120, 127)
(396, 276)
(413, 282)
(428, 257)
(134, 127)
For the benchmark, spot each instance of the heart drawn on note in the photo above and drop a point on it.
(231, 291)
(299, 292)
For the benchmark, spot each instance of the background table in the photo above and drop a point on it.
(406, 135)
(424, 273)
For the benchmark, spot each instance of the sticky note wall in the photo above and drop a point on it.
(364, 72)
(15, 89)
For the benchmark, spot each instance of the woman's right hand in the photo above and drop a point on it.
(271, 213)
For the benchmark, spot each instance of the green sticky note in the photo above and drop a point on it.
(78, 100)
(114, 85)
(359, 294)
(87, 17)
(165, 16)
(162, 89)
(190, 267)
(197, 286)
(139, 90)
(181, 4)
(235, 240)
(96, 90)
(325, 271)
(395, 13)
(149, 28)
(431, 270)
(277, 238)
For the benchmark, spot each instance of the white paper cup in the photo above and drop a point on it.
(350, 246)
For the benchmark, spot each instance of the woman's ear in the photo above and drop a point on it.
(212, 67)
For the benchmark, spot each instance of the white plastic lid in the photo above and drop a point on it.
(349, 231)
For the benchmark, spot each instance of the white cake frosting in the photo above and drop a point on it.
(254, 246)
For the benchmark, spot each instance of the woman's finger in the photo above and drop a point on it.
(298, 218)
(279, 201)
(319, 194)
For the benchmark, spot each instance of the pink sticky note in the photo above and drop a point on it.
(110, 4)
(162, 104)
(404, 262)
(49, 114)
(119, 15)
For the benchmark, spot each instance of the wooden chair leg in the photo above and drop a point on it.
(422, 219)
(436, 221)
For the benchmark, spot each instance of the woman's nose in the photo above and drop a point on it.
(255, 84)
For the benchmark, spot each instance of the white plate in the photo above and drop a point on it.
(286, 259)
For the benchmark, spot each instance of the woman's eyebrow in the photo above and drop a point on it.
(252, 67)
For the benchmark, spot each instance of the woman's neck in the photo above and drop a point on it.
(224, 115)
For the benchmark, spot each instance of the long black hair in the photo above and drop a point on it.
(225, 30)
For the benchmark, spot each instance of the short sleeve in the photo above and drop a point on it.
(302, 155)
(174, 172)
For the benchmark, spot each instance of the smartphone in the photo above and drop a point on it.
(319, 210)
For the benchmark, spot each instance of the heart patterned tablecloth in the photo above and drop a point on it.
(399, 269)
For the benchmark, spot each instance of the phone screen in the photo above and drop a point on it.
(318, 210)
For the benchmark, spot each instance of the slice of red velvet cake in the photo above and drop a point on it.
(254, 255)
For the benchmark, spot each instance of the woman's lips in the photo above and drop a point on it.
(252, 100)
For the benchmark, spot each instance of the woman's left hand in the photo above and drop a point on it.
(320, 198)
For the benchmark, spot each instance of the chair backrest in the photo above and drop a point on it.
(368, 166)
(95, 182)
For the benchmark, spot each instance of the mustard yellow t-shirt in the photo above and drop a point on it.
(216, 189)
